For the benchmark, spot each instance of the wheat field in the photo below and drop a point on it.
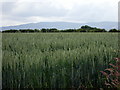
(56, 60)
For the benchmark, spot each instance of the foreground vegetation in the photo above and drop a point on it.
(57, 60)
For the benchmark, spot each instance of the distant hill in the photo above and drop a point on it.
(63, 25)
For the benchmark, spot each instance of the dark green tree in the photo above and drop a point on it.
(113, 30)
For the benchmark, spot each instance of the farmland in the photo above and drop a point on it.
(56, 60)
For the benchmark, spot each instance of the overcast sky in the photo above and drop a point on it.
(17, 12)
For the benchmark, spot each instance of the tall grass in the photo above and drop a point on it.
(57, 60)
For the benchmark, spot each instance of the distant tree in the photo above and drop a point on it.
(99, 30)
(53, 30)
(87, 28)
(36, 30)
(49, 30)
(43, 30)
(69, 30)
(81, 30)
(113, 30)
(10, 31)
(26, 30)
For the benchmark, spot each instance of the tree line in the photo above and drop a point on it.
(85, 28)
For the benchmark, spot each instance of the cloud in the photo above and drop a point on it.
(24, 11)
(94, 12)
(27, 9)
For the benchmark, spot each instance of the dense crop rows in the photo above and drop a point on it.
(57, 60)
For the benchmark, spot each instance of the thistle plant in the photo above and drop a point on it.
(112, 75)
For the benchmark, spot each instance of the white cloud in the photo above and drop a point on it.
(24, 11)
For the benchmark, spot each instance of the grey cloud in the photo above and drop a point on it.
(93, 13)
(23, 12)
(33, 9)
(7, 7)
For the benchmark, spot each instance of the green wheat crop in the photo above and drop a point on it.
(56, 60)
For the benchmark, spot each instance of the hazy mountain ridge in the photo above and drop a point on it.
(62, 25)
